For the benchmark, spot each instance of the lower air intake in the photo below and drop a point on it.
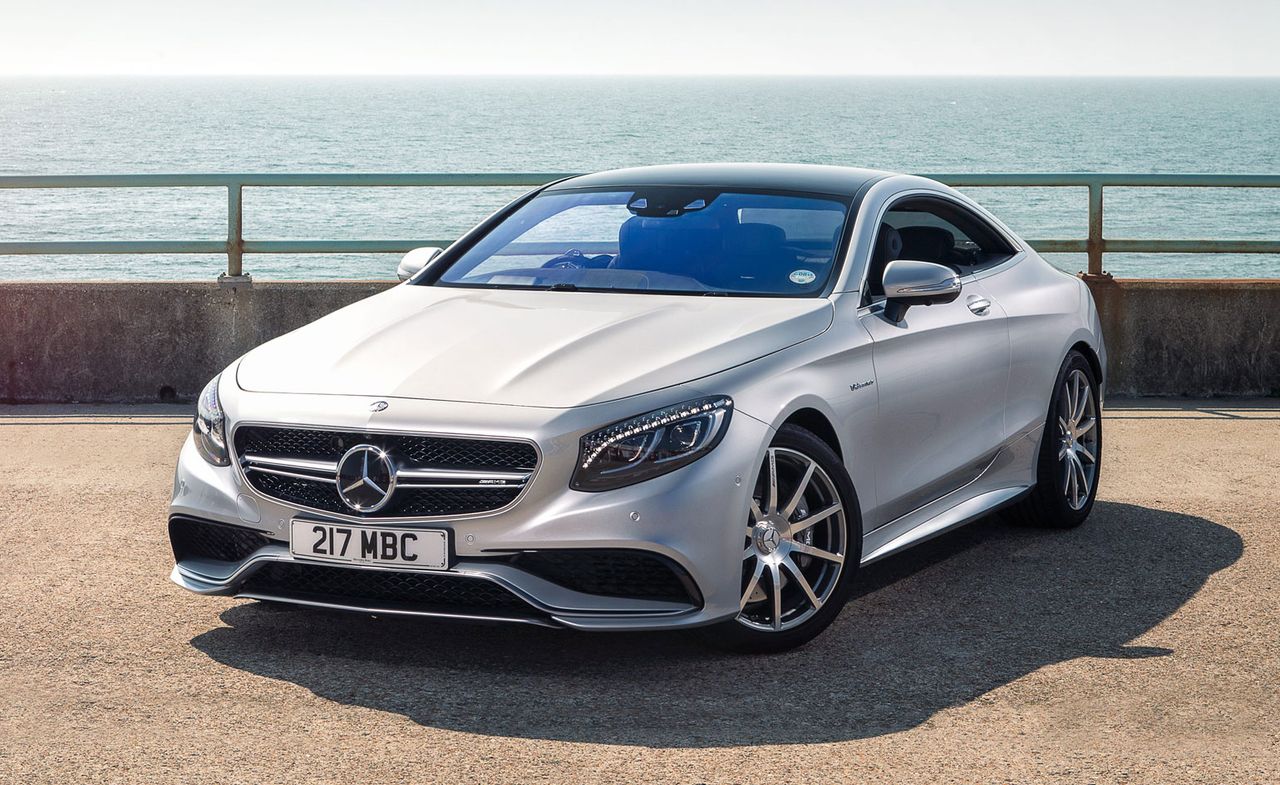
(612, 573)
(193, 538)
(423, 591)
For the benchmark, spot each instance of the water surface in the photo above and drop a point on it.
(427, 124)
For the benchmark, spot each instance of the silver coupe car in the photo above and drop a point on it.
(665, 397)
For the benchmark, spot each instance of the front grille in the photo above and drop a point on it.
(612, 573)
(193, 538)
(422, 591)
(406, 503)
(438, 452)
(326, 448)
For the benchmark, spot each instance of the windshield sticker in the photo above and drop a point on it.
(803, 277)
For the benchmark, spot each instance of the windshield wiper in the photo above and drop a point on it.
(563, 287)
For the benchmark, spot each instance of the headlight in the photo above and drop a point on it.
(209, 426)
(650, 445)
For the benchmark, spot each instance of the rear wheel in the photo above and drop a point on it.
(1070, 459)
(801, 545)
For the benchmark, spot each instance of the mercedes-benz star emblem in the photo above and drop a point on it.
(377, 406)
(366, 478)
(767, 538)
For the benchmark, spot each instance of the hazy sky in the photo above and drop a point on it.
(1028, 37)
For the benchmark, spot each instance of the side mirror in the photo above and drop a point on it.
(908, 283)
(415, 260)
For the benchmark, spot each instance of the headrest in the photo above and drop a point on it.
(888, 244)
(641, 243)
(751, 236)
(671, 245)
(638, 228)
(926, 243)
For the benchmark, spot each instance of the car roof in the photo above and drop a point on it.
(811, 178)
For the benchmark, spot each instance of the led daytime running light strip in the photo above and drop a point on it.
(649, 422)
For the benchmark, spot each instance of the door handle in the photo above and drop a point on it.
(979, 305)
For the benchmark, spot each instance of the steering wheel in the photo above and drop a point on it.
(572, 259)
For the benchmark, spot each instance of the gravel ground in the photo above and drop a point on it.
(1140, 648)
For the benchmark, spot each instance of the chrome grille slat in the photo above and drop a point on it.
(324, 471)
(426, 478)
(435, 475)
(249, 467)
(292, 464)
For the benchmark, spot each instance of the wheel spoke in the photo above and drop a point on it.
(772, 503)
(775, 576)
(800, 489)
(1083, 480)
(1086, 426)
(756, 514)
(751, 584)
(813, 518)
(810, 550)
(1067, 474)
(1082, 450)
(748, 553)
(1079, 482)
(802, 582)
(1082, 400)
(1062, 427)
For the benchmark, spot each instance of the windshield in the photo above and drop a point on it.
(660, 239)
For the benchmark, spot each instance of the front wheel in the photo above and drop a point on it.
(801, 545)
(1070, 460)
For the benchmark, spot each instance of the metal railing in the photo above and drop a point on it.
(1095, 245)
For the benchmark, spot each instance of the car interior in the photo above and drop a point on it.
(721, 245)
(724, 254)
(927, 229)
(689, 240)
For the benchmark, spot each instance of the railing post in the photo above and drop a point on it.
(1095, 243)
(235, 233)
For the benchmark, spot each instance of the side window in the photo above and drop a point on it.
(928, 229)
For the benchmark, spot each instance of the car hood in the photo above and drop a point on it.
(525, 348)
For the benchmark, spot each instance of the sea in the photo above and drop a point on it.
(109, 125)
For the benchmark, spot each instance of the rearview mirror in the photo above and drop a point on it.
(908, 283)
(415, 260)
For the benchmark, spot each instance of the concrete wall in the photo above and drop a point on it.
(153, 341)
(148, 341)
(1191, 337)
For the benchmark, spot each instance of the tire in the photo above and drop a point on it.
(812, 553)
(1054, 502)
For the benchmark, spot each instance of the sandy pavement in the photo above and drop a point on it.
(1143, 647)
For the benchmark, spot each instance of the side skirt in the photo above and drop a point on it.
(969, 510)
(1010, 475)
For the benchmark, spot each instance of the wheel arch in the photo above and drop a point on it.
(817, 423)
(1095, 362)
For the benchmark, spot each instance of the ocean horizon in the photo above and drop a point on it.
(111, 125)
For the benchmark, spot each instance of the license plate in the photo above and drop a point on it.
(410, 549)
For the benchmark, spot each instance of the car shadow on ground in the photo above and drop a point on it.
(934, 627)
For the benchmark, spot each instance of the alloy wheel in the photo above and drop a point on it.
(794, 545)
(1077, 439)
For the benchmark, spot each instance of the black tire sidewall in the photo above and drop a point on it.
(1049, 467)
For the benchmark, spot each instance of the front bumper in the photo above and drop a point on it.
(691, 519)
